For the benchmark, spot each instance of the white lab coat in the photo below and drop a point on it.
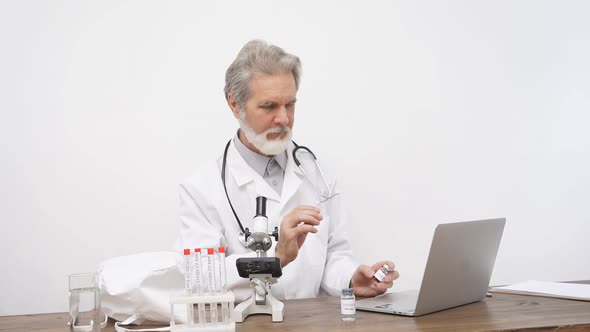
(324, 263)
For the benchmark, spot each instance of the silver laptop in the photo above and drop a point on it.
(457, 272)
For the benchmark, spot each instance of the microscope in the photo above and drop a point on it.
(261, 270)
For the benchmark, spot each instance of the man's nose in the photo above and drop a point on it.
(282, 116)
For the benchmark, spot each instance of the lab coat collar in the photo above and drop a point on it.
(293, 178)
(243, 174)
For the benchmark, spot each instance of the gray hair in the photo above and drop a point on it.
(258, 56)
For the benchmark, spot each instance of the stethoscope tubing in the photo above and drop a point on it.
(223, 164)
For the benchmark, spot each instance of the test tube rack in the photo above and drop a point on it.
(208, 300)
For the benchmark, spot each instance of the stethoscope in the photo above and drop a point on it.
(298, 148)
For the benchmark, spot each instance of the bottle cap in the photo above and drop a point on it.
(221, 250)
(347, 291)
(197, 249)
(187, 251)
(387, 267)
(210, 251)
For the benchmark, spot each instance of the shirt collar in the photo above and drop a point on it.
(257, 161)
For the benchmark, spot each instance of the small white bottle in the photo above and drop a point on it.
(382, 272)
(347, 305)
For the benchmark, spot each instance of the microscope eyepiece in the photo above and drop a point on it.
(260, 206)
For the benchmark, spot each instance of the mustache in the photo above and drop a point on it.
(278, 130)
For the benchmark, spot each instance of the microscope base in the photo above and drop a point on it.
(272, 307)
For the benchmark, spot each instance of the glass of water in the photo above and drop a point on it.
(85, 312)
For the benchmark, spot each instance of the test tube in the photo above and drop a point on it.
(217, 271)
(211, 283)
(210, 271)
(199, 285)
(222, 276)
(187, 271)
(187, 285)
(223, 284)
(197, 274)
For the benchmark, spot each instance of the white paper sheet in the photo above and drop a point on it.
(549, 289)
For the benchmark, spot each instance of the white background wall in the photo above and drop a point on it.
(430, 111)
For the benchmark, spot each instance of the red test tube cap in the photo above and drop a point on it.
(187, 251)
(221, 250)
(197, 249)
(210, 251)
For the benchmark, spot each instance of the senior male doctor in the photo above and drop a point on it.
(261, 89)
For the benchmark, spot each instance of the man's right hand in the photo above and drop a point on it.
(294, 229)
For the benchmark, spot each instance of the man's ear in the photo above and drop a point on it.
(233, 104)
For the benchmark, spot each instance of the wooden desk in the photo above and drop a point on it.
(498, 313)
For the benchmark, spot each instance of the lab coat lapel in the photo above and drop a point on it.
(245, 175)
(293, 179)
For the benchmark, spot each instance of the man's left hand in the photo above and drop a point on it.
(365, 285)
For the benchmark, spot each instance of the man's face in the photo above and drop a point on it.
(268, 113)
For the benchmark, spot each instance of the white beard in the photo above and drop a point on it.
(263, 144)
